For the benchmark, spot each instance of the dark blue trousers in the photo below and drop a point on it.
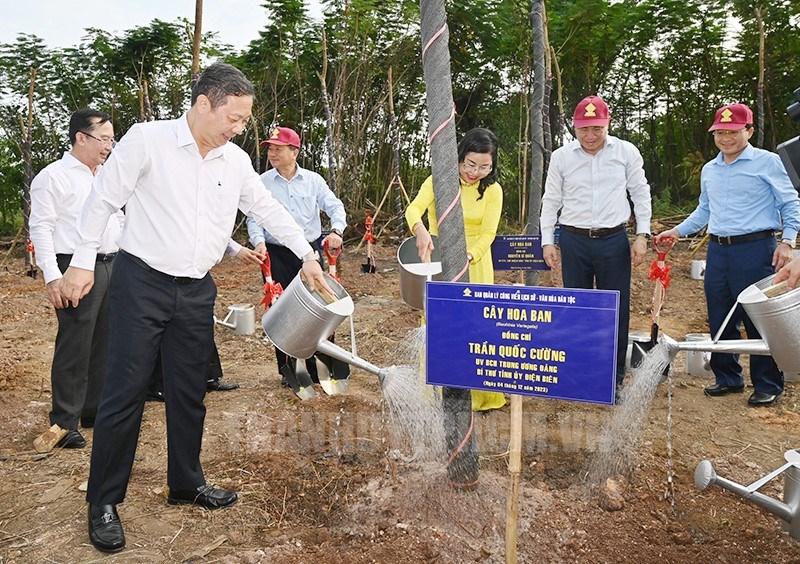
(604, 263)
(148, 311)
(729, 270)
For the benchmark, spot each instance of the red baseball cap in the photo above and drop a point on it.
(591, 111)
(283, 136)
(733, 117)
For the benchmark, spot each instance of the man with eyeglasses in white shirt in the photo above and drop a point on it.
(181, 183)
(588, 182)
(58, 193)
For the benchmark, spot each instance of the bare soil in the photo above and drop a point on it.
(323, 481)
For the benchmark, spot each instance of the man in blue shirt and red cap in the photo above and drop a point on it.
(745, 197)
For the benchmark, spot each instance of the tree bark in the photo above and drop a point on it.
(457, 403)
(537, 129)
(196, 39)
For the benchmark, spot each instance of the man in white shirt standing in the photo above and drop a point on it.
(181, 182)
(304, 194)
(57, 195)
(589, 181)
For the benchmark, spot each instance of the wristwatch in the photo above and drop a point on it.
(791, 242)
(336, 231)
(314, 255)
(645, 235)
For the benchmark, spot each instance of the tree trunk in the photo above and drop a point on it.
(196, 39)
(326, 105)
(27, 178)
(457, 403)
(537, 129)
(760, 98)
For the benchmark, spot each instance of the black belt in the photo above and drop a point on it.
(100, 257)
(735, 239)
(594, 233)
(182, 280)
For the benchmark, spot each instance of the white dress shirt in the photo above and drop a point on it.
(303, 196)
(57, 195)
(591, 191)
(180, 207)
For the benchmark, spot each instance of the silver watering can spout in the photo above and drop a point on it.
(337, 352)
(738, 346)
(788, 509)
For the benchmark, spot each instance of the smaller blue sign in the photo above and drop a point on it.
(518, 252)
(548, 342)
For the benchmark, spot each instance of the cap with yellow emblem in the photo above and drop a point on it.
(591, 111)
(733, 117)
(283, 136)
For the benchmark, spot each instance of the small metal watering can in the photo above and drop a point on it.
(241, 318)
(300, 321)
(776, 315)
(788, 509)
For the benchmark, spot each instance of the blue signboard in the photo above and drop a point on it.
(518, 252)
(548, 342)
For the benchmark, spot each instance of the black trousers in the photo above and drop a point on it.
(285, 266)
(214, 371)
(604, 262)
(81, 352)
(149, 311)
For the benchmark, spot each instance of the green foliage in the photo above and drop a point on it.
(664, 66)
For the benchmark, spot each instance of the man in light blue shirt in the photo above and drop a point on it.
(304, 194)
(745, 197)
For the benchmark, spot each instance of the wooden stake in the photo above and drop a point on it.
(47, 440)
(514, 469)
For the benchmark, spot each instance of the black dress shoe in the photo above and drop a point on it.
(105, 528)
(73, 439)
(217, 386)
(154, 396)
(87, 422)
(717, 390)
(205, 496)
(760, 399)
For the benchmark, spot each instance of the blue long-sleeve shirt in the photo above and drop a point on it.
(751, 194)
(303, 197)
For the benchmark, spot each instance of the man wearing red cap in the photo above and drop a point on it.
(588, 182)
(745, 197)
(303, 193)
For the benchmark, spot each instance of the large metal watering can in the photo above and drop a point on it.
(775, 313)
(788, 509)
(300, 321)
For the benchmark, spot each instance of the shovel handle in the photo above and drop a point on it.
(332, 255)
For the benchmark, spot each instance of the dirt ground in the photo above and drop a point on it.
(322, 480)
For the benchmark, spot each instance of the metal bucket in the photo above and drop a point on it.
(777, 320)
(698, 363)
(698, 270)
(299, 319)
(241, 319)
(414, 273)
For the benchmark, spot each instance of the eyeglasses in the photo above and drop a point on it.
(472, 167)
(108, 142)
(727, 133)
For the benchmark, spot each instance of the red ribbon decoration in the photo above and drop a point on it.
(660, 274)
